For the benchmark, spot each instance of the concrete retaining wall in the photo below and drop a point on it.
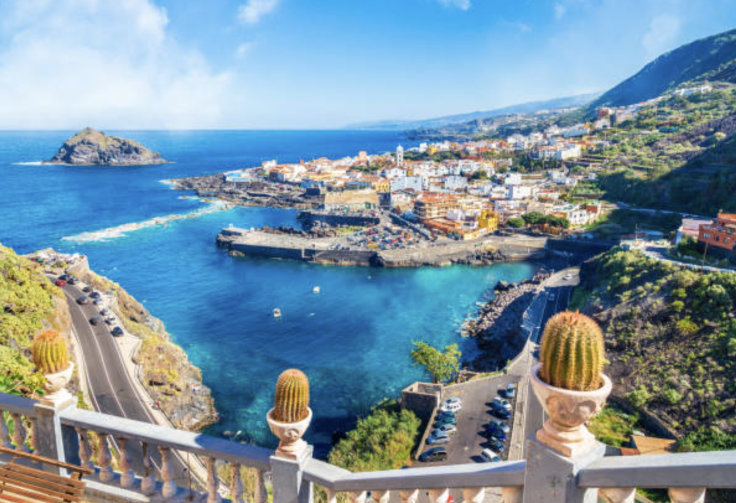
(308, 217)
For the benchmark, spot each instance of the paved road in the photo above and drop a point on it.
(562, 289)
(108, 381)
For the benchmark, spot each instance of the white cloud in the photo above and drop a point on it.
(560, 10)
(662, 34)
(460, 4)
(253, 10)
(72, 63)
(243, 49)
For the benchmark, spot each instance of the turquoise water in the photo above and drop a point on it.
(352, 339)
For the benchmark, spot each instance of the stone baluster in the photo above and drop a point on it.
(261, 495)
(148, 482)
(4, 432)
(213, 483)
(687, 494)
(127, 477)
(19, 432)
(381, 496)
(236, 484)
(168, 490)
(85, 451)
(474, 494)
(439, 495)
(409, 496)
(358, 496)
(104, 459)
(618, 494)
(512, 494)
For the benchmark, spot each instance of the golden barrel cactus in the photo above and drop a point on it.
(572, 354)
(291, 403)
(49, 352)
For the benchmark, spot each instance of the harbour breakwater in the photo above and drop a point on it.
(256, 243)
(498, 327)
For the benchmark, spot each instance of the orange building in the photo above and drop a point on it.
(434, 206)
(719, 237)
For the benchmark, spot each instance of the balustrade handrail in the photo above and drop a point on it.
(195, 443)
(712, 469)
(503, 474)
(17, 405)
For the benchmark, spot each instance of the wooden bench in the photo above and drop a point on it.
(19, 483)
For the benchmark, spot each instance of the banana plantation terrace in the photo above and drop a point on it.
(51, 451)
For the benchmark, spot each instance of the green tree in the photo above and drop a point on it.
(515, 222)
(441, 365)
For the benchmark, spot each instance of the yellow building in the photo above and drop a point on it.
(382, 185)
(488, 219)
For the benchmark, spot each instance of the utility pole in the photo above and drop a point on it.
(705, 252)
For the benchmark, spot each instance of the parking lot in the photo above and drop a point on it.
(466, 445)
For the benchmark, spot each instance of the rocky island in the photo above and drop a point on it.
(90, 147)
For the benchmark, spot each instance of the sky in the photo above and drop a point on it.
(319, 64)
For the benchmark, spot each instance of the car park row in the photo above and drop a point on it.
(90, 295)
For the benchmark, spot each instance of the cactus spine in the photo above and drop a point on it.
(572, 354)
(291, 403)
(49, 352)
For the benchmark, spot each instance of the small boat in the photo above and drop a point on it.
(277, 313)
(315, 289)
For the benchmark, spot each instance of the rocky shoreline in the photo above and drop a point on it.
(497, 328)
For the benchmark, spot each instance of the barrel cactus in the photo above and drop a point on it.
(572, 354)
(49, 352)
(291, 403)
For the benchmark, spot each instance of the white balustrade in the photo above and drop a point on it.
(409, 496)
(213, 482)
(236, 484)
(127, 477)
(104, 459)
(512, 494)
(618, 494)
(358, 496)
(687, 495)
(148, 482)
(474, 494)
(168, 490)
(261, 495)
(4, 432)
(439, 495)
(85, 451)
(381, 496)
(19, 432)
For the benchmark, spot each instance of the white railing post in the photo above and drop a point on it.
(289, 486)
(104, 459)
(687, 494)
(19, 432)
(127, 477)
(168, 489)
(261, 495)
(148, 482)
(236, 484)
(47, 434)
(213, 483)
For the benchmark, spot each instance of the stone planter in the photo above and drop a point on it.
(291, 445)
(57, 395)
(568, 411)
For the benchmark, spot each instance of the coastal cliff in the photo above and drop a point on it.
(92, 147)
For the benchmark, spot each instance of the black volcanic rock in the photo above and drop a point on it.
(91, 147)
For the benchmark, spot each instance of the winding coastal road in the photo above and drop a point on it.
(108, 381)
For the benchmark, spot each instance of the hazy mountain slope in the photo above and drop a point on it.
(708, 58)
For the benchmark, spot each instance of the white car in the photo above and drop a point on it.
(567, 276)
(449, 429)
(451, 407)
(502, 402)
(489, 456)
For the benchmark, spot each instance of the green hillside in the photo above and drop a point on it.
(710, 58)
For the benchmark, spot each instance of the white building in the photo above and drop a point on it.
(400, 156)
(512, 179)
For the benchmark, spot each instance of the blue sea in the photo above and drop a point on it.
(352, 339)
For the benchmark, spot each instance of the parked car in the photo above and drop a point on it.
(95, 320)
(452, 405)
(83, 300)
(98, 301)
(110, 320)
(434, 454)
(445, 415)
(438, 438)
(567, 276)
(117, 331)
(500, 412)
(510, 391)
(450, 429)
(72, 280)
(501, 402)
(64, 277)
(501, 425)
(496, 445)
(489, 456)
(496, 433)
(87, 289)
(551, 297)
(447, 420)
(104, 311)
(95, 295)
(60, 282)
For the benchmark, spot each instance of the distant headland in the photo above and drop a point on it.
(90, 147)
